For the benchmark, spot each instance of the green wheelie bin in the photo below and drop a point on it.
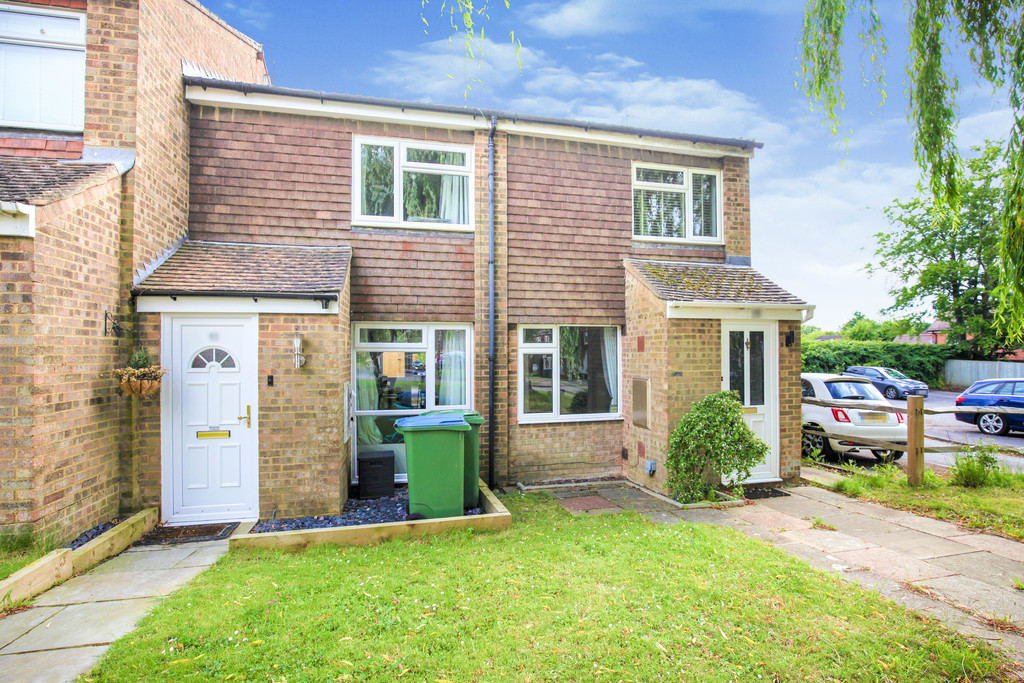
(435, 456)
(471, 468)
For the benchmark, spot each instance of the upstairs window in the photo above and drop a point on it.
(42, 69)
(677, 204)
(401, 183)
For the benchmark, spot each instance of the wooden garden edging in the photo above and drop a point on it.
(494, 518)
(63, 563)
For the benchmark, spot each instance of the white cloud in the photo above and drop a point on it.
(618, 61)
(252, 13)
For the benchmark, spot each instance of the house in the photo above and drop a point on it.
(935, 334)
(344, 261)
(93, 185)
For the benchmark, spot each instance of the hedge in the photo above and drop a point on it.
(925, 362)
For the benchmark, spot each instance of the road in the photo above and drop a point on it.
(944, 430)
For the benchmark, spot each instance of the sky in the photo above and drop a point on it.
(710, 67)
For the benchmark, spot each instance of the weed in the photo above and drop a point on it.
(975, 467)
(819, 523)
(1018, 583)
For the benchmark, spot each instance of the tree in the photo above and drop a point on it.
(862, 328)
(949, 258)
(992, 33)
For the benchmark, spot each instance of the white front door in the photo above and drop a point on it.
(750, 367)
(213, 471)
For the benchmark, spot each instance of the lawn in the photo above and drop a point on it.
(996, 508)
(556, 597)
(18, 551)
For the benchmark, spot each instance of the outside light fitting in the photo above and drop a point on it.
(300, 359)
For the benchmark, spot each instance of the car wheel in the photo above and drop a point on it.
(812, 442)
(993, 424)
(891, 393)
(887, 455)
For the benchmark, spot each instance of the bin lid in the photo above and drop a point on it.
(443, 421)
(471, 416)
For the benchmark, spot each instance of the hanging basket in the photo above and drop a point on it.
(140, 387)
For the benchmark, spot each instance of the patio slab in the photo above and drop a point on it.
(118, 586)
(919, 544)
(95, 623)
(892, 564)
(15, 626)
(1004, 547)
(623, 492)
(646, 504)
(772, 520)
(983, 566)
(584, 503)
(828, 541)
(707, 516)
(43, 667)
(798, 506)
(164, 558)
(1001, 603)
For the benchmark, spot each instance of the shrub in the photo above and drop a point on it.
(711, 440)
(925, 362)
(975, 467)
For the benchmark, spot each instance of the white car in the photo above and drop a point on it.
(849, 422)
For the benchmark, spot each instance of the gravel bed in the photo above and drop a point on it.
(93, 533)
(357, 512)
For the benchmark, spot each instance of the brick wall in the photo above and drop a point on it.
(570, 226)
(40, 148)
(62, 422)
(790, 397)
(283, 179)
(736, 205)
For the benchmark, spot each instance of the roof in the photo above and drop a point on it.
(716, 283)
(473, 112)
(42, 181)
(221, 269)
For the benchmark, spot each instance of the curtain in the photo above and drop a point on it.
(367, 431)
(451, 378)
(453, 200)
(611, 364)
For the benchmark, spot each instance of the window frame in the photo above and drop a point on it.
(687, 191)
(400, 147)
(76, 44)
(553, 347)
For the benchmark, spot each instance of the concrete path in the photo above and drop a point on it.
(962, 578)
(71, 625)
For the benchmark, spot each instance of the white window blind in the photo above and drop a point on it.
(42, 69)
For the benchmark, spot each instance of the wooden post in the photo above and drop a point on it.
(915, 440)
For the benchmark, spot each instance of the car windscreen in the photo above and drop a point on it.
(895, 373)
(853, 390)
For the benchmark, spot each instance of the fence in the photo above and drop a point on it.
(961, 374)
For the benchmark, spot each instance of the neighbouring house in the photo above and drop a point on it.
(94, 179)
(935, 334)
(340, 262)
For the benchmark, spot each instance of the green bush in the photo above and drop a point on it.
(711, 440)
(925, 362)
(978, 466)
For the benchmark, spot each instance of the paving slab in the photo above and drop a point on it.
(661, 517)
(982, 566)
(799, 506)
(826, 562)
(581, 503)
(559, 494)
(204, 557)
(770, 519)
(623, 493)
(856, 524)
(997, 545)
(646, 504)
(600, 511)
(1001, 603)
(119, 586)
(936, 527)
(820, 476)
(162, 558)
(94, 623)
(892, 564)
(15, 626)
(918, 544)
(44, 667)
(827, 541)
(707, 516)
(820, 495)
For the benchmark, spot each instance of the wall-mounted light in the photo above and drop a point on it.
(790, 337)
(300, 360)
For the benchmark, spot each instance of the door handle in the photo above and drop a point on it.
(247, 417)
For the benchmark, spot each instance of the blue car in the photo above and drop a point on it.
(1006, 393)
(892, 383)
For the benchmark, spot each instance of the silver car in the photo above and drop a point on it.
(851, 422)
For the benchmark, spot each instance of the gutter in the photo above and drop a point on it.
(17, 219)
(490, 303)
(325, 299)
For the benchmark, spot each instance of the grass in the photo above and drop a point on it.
(16, 551)
(997, 508)
(556, 597)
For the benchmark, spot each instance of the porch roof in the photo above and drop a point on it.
(42, 181)
(250, 270)
(710, 283)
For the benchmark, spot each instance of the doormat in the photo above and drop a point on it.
(171, 535)
(765, 492)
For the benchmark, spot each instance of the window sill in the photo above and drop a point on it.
(679, 241)
(566, 419)
(414, 227)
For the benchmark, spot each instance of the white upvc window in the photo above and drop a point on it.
(403, 369)
(569, 373)
(412, 184)
(42, 68)
(676, 204)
